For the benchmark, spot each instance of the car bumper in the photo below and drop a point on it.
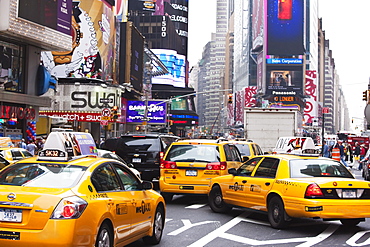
(329, 209)
(183, 188)
(55, 233)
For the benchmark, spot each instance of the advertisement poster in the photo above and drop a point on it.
(156, 112)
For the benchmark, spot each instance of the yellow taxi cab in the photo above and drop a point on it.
(188, 165)
(61, 199)
(13, 154)
(247, 148)
(289, 186)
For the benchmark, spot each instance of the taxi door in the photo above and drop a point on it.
(143, 206)
(236, 188)
(118, 202)
(261, 183)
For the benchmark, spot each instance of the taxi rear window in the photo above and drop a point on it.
(42, 175)
(194, 153)
(301, 168)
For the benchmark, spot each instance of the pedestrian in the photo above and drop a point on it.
(342, 152)
(325, 152)
(356, 156)
(23, 144)
(335, 152)
(31, 147)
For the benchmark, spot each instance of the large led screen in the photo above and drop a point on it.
(284, 80)
(56, 15)
(285, 26)
(175, 64)
(136, 112)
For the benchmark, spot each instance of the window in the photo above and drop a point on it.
(267, 168)
(11, 67)
(129, 181)
(247, 168)
(105, 179)
(232, 153)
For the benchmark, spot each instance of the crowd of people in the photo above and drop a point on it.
(348, 155)
(32, 146)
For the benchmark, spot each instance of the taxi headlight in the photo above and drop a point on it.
(69, 208)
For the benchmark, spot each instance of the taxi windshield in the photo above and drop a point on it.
(301, 168)
(41, 175)
(243, 149)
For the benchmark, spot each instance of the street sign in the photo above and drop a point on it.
(105, 114)
(325, 110)
(106, 101)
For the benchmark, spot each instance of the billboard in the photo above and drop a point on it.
(311, 104)
(56, 15)
(257, 24)
(176, 66)
(93, 46)
(136, 110)
(285, 27)
(284, 79)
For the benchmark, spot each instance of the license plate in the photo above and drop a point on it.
(136, 160)
(193, 173)
(349, 194)
(10, 215)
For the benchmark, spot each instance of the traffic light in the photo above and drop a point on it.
(114, 112)
(230, 101)
(365, 95)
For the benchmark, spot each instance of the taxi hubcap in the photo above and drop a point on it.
(218, 200)
(276, 213)
(158, 225)
(104, 239)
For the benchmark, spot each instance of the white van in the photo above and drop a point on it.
(295, 145)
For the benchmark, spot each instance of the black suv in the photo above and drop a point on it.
(144, 151)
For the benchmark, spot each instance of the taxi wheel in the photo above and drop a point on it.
(105, 236)
(276, 213)
(350, 222)
(216, 202)
(158, 226)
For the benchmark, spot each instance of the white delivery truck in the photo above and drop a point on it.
(265, 126)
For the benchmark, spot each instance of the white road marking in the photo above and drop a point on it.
(195, 206)
(188, 225)
(221, 232)
(353, 240)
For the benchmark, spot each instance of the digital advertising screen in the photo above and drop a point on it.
(176, 66)
(136, 112)
(285, 27)
(284, 79)
(56, 15)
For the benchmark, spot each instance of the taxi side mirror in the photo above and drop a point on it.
(232, 171)
(146, 185)
(245, 158)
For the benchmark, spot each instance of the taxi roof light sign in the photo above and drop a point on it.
(63, 146)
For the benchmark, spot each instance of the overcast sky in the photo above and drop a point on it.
(346, 24)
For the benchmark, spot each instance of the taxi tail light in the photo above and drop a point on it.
(161, 155)
(69, 208)
(168, 165)
(216, 166)
(313, 191)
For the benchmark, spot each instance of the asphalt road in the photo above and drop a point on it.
(190, 222)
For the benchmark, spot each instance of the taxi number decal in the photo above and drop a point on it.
(97, 196)
(236, 187)
(145, 207)
(286, 182)
(211, 173)
(255, 188)
(121, 208)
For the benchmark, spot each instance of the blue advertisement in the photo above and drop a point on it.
(156, 112)
(285, 26)
(284, 61)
